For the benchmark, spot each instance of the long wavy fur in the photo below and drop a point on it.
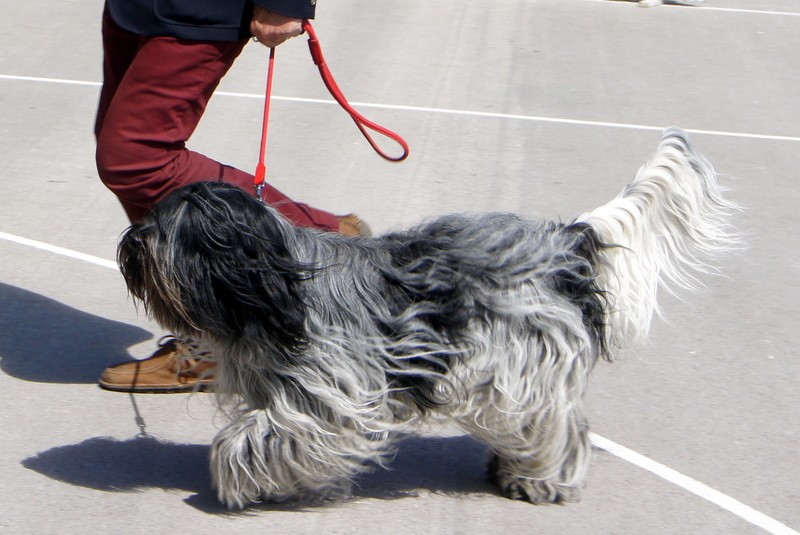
(330, 347)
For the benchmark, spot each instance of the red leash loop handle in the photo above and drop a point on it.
(361, 122)
(260, 178)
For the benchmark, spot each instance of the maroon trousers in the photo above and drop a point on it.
(154, 92)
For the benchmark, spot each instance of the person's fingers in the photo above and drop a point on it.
(271, 29)
(271, 36)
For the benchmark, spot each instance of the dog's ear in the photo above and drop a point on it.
(237, 273)
(131, 257)
(135, 261)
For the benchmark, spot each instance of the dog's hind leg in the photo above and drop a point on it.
(549, 470)
(542, 458)
(254, 460)
(529, 411)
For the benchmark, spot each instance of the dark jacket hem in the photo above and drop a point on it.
(199, 20)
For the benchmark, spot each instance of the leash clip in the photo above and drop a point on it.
(258, 189)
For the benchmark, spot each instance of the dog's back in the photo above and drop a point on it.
(466, 266)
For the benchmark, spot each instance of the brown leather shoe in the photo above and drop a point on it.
(171, 369)
(351, 225)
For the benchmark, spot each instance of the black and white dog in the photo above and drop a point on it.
(330, 347)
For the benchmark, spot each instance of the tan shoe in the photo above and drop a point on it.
(171, 369)
(351, 225)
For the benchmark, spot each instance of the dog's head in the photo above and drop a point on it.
(211, 259)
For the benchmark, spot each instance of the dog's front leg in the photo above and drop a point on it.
(253, 460)
(238, 468)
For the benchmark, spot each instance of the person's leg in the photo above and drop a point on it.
(119, 49)
(150, 105)
(154, 92)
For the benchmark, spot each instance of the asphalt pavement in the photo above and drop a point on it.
(541, 107)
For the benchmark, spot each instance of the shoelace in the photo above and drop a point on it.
(185, 360)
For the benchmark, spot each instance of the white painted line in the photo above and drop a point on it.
(492, 115)
(724, 501)
(48, 80)
(518, 117)
(59, 250)
(750, 11)
(709, 8)
(699, 489)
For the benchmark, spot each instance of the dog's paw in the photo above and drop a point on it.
(526, 488)
(537, 492)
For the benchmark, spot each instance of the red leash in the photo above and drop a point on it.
(260, 179)
(362, 122)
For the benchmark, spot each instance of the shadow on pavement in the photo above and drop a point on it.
(447, 465)
(48, 342)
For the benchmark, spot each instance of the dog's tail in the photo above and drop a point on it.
(661, 231)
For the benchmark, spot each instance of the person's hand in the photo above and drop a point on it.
(271, 29)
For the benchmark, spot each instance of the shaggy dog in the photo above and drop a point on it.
(329, 347)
